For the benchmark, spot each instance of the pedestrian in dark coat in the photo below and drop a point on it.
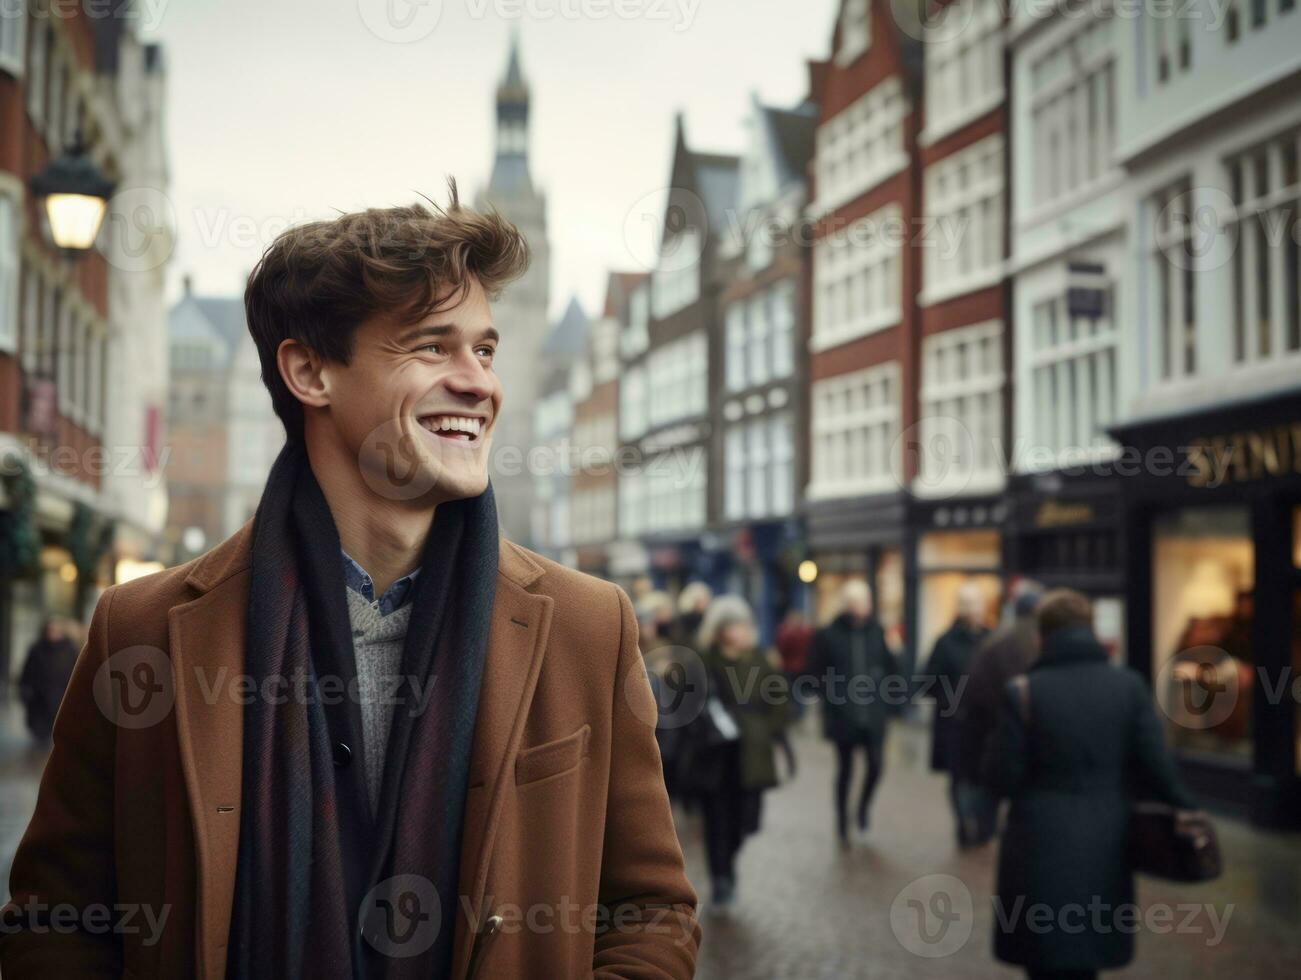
(1075, 748)
(946, 672)
(665, 671)
(850, 663)
(693, 600)
(1006, 652)
(44, 678)
(730, 744)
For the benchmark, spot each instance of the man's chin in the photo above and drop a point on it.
(458, 484)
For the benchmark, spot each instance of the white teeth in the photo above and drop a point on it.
(452, 423)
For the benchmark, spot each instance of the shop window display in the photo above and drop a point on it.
(1203, 605)
(947, 559)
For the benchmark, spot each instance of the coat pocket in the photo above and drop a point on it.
(549, 759)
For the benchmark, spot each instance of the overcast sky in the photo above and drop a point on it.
(280, 111)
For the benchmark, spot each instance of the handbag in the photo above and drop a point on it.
(1164, 841)
(1178, 845)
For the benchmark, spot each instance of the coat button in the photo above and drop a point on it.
(342, 755)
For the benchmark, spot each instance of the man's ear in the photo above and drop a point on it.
(301, 369)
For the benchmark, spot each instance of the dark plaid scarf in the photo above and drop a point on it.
(324, 887)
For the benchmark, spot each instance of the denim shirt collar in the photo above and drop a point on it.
(356, 578)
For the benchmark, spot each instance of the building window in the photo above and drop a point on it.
(636, 336)
(9, 265)
(861, 145)
(760, 471)
(737, 358)
(962, 409)
(1172, 263)
(856, 284)
(760, 337)
(781, 448)
(632, 504)
(632, 404)
(54, 111)
(675, 283)
(855, 30)
(759, 352)
(1073, 112)
(64, 357)
(31, 342)
(1073, 378)
(36, 53)
(964, 64)
(1266, 191)
(964, 197)
(679, 377)
(676, 488)
(855, 423)
(781, 299)
(1171, 43)
(13, 31)
(734, 496)
(756, 440)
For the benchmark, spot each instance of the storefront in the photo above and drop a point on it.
(1212, 525)
(1064, 531)
(957, 543)
(764, 566)
(865, 539)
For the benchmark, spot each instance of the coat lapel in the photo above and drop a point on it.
(207, 640)
(517, 641)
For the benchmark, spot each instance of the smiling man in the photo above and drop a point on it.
(364, 736)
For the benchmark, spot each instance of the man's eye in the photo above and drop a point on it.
(436, 348)
(486, 351)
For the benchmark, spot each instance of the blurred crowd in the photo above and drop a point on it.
(1033, 712)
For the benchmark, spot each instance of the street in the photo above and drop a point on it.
(805, 910)
(808, 911)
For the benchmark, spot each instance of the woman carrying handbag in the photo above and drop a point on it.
(730, 743)
(1078, 745)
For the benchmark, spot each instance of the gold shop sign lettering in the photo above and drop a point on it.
(1245, 456)
(1054, 514)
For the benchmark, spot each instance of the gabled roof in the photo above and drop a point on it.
(793, 137)
(714, 177)
(568, 338)
(223, 317)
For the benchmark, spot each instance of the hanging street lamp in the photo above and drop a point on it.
(74, 194)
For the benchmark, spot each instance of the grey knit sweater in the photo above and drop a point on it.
(377, 642)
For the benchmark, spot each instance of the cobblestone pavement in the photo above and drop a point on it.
(806, 910)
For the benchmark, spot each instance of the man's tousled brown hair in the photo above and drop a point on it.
(318, 282)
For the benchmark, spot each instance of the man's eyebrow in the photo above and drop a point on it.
(442, 330)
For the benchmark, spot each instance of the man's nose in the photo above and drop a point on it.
(470, 378)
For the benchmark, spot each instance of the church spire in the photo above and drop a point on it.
(510, 172)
